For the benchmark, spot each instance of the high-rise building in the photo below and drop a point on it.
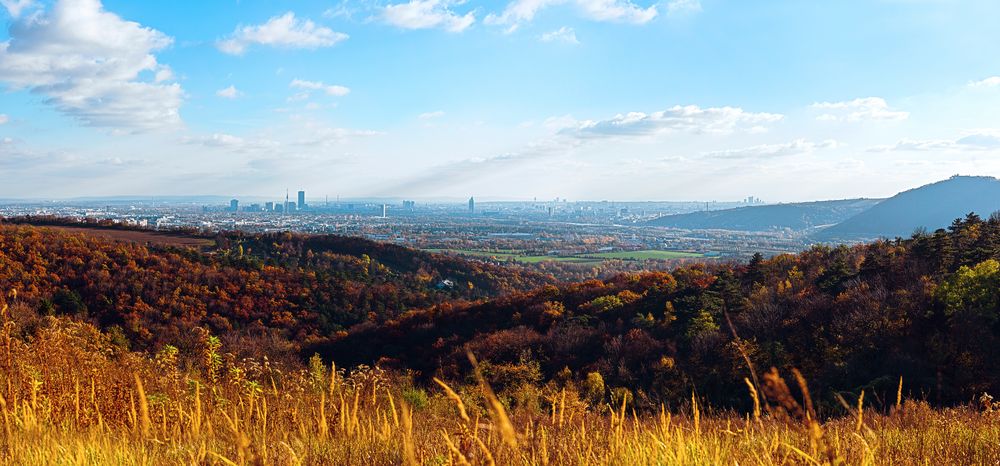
(385, 210)
(472, 205)
(302, 200)
(269, 206)
(234, 205)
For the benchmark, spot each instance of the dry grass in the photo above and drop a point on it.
(69, 396)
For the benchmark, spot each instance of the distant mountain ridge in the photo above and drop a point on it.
(796, 216)
(931, 206)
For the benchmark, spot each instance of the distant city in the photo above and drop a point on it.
(537, 228)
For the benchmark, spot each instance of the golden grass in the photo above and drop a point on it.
(68, 396)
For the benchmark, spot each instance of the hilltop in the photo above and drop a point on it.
(929, 207)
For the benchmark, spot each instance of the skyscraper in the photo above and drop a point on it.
(472, 206)
(234, 205)
(302, 200)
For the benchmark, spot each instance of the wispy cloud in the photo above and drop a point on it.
(683, 6)
(231, 143)
(992, 81)
(796, 147)
(862, 109)
(285, 31)
(520, 12)
(975, 140)
(431, 115)
(16, 7)
(564, 34)
(334, 90)
(689, 118)
(228, 93)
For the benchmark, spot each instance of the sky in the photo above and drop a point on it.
(785, 100)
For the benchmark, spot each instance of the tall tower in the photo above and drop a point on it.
(302, 200)
(472, 206)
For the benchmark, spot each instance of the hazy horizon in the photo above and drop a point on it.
(435, 99)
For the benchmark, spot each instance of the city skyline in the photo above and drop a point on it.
(624, 99)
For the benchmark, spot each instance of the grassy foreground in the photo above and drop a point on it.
(70, 394)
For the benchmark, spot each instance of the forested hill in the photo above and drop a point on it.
(928, 207)
(282, 289)
(925, 309)
(795, 216)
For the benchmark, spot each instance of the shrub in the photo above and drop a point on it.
(415, 397)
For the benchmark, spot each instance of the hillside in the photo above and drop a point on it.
(930, 207)
(284, 289)
(849, 318)
(113, 352)
(796, 216)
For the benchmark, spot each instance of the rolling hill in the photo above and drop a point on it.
(796, 216)
(931, 206)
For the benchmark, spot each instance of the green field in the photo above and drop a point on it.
(579, 259)
(516, 256)
(644, 255)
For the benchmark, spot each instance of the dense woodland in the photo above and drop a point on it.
(926, 309)
(262, 292)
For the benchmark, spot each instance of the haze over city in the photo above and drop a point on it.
(582, 99)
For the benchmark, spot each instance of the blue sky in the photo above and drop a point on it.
(585, 99)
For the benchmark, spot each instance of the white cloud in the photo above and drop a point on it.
(318, 134)
(431, 115)
(564, 34)
(4, 119)
(519, 12)
(16, 7)
(799, 146)
(690, 118)
(229, 93)
(992, 81)
(163, 74)
(684, 6)
(285, 31)
(862, 109)
(975, 140)
(622, 11)
(230, 142)
(87, 63)
(427, 14)
(334, 90)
